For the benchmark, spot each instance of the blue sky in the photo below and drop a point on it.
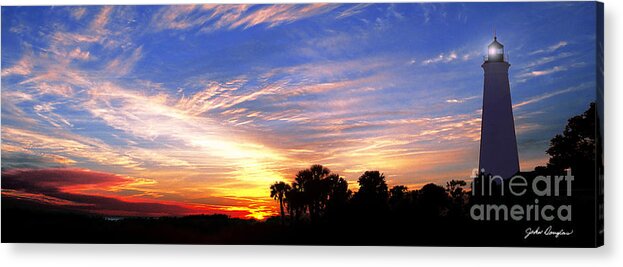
(208, 104)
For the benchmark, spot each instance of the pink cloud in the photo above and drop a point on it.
(78, 12)
(73, 189)
(79, 54)
(178, 17)
(54, 89)
(73, 38)
(57, 179)
(278, 14)
(215, 17)
(102, 18)
(122, 65)
(22, 67)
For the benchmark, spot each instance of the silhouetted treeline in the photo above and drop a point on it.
(319, 196)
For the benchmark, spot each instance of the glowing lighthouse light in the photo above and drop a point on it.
(496, 51)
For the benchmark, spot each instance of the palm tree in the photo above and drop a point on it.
(314, 191)
(277, 191)
(373, 193)
(336, 195)
(310, 183)
(372, 187)
(295, 202)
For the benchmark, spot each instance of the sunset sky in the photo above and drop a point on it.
(172, 110)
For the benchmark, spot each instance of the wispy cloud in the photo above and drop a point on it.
(55, 89)
(523, 77)
(461, 100)
(102, 18)
(123, 64)
(179, 17)
(544, 60)
(445, 58)
(356, 9)
(68, 38)
(23, 67)
(274, 15)
(58, 74)
(78, 12)
(77, 53)
(552, 94)
(550, 48)
(537, 73)
(54, 71)
(70, 145)
(451, 56)
(216, 17)
(432, 11)
(46, 111)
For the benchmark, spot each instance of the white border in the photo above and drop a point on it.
(183, 255)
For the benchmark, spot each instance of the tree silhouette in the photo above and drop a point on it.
(400, 201)
(398, 197)
(277, 192)
(373, 194)
(455, 188)
(337, 194)
(295, 202)
(309, 182)
(372, 184)
(433, 200)
(317, 190)
(458, 196)
(398, 192)
(575, 147)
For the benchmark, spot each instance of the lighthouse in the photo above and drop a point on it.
(498, 143)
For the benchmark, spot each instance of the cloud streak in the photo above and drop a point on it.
(23, 67)
(212, 17)
(552, 94)
(551, 48)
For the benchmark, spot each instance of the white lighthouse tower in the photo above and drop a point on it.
(498, 143)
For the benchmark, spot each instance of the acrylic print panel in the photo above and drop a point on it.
(446, 124)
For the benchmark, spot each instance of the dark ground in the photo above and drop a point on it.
(29, 222)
